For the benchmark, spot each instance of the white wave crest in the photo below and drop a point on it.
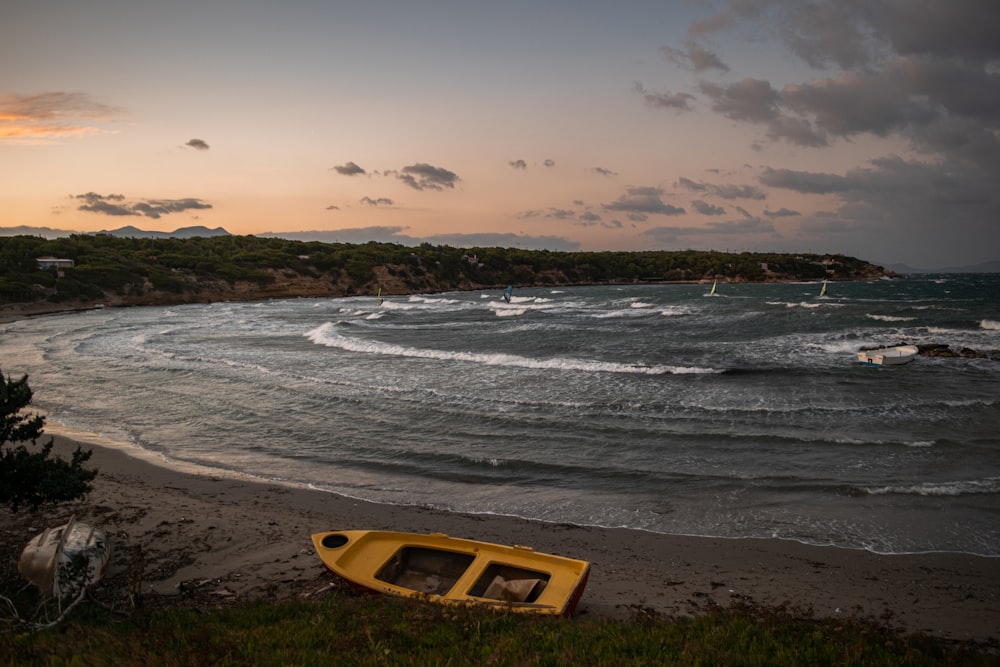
(327, 335)
(966, 487)
(990, 325)
(510, 312)
(890, 318)
(798, 304)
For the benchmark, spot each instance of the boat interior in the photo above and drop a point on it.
(436, 571)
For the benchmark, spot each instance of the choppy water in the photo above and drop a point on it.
(651, 407)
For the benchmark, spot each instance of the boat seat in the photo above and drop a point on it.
(514, 590)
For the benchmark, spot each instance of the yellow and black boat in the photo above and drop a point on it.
(452, 570)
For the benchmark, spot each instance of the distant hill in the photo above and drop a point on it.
(44, 232)
(122, 232)
(183, 233)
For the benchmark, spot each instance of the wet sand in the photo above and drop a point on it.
(234, 538)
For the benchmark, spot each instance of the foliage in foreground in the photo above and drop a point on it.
(30, 478)
(349, 630)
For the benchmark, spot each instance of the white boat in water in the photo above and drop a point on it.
(888, 356)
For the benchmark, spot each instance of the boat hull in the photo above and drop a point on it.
(63, 560)
(451, 570)
(888, 356)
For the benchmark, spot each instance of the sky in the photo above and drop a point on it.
(862, 127)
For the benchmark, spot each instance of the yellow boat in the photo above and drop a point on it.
(452, 570)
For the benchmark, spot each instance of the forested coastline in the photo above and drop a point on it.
(116, 271)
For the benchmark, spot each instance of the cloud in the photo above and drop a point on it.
(694, 56)
(380, 234)
(332, 207)
(349, 169)
(423, 176)
(560, 214)
(388, 234)
(50, 116)
(117, 205)
(804, 181)
(927, 75)
(751, 100)
(675, 101)
(549, 162)
(518, 164)
(725, 190)
(198, 145)
(488, 240)
(604, 172)
(381, 201)
(746, 226)
(643, 201)
(691, 185)
(707, 209)
(781, 213)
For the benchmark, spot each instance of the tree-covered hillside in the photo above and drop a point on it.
(131, 271)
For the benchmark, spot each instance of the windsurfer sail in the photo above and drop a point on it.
(712, 292)
(507, 293)
(822, 290)
(379, 296)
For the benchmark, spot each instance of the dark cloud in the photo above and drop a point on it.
(707, 209)
(694, 56)
(197, 144)
(349, 169)
(423, 176)
(746, 226)
(381, 201)
(518, 164)
(675, 101)
(803, 181)
(751, 100)
(926, 74)
(352, 235)
(604, 172)
(117, 205)
(691, 185)
(560, 214)
(781, 213)
(643, 201)
(549, 163)
(498, 240)
(724, 191)
(729, 191)
(332, 207)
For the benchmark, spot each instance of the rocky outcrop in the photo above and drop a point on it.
(942, 350)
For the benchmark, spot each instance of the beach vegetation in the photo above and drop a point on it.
(28, 476)
(346, 629)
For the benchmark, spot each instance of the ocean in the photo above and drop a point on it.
(652, 407)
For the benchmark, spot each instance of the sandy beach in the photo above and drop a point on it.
(235, 538)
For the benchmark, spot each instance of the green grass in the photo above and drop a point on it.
(350, 630)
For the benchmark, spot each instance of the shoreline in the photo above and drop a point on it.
(13, 312)
(87, 439)
(241, 538)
